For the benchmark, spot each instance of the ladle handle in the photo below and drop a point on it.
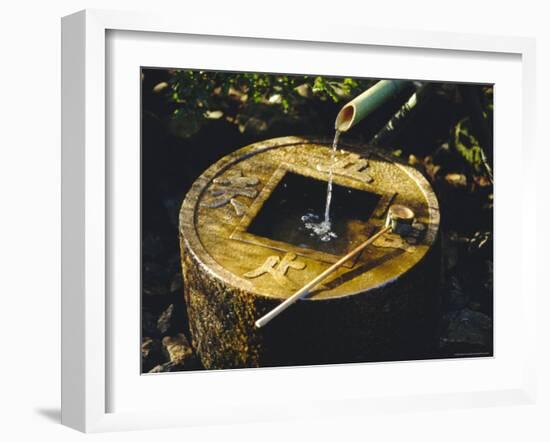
(305, 289)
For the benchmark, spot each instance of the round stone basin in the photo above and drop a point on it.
(245, 249)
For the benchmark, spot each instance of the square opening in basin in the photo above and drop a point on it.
(297, 196)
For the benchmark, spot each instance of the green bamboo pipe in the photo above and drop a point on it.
(370, 100)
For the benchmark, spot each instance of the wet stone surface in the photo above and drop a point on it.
(286, 218)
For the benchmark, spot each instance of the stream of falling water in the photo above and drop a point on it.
(322, 229)
(330, 176)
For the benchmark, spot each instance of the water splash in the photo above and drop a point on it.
(323, 229)
(318, 228)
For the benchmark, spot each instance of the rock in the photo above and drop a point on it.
(275, 99)
(471, 328)
(181, 355)
(304, 90)
(431, 169)
(177, 348)
(164, 368)
(213, 115)
(482, 181)
(151, 353)
(254, 125)
(148, 346)
(185, 127)
(450, 248)
(159, 87)
(177, 283)
(168, 367)
(455, 296)
(165, 319)
(414, 161)
(456, 179)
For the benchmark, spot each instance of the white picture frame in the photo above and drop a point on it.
(86, 352)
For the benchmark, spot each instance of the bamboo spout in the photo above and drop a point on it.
(367, 102)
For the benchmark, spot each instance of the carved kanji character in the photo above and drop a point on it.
(226, 189)
(393, 241)
(278, 269)
(351, 165)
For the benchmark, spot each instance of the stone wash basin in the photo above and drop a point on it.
(244, 250)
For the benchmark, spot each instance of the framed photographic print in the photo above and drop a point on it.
(255, 212)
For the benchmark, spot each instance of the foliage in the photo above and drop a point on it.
(467, 144)
(202, 95)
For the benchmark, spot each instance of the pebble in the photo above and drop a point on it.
(166, 368)
(470, 327)
(165, 319)
(177, 348)
(177, 283)
(150, 353)
(456, 179)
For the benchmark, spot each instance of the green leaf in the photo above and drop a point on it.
(467, 145)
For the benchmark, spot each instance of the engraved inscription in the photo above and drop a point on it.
(407, 242)
(278, 268)
(226, 189)
(351, 165)
(393, 241)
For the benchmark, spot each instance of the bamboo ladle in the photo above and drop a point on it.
(399, 219)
